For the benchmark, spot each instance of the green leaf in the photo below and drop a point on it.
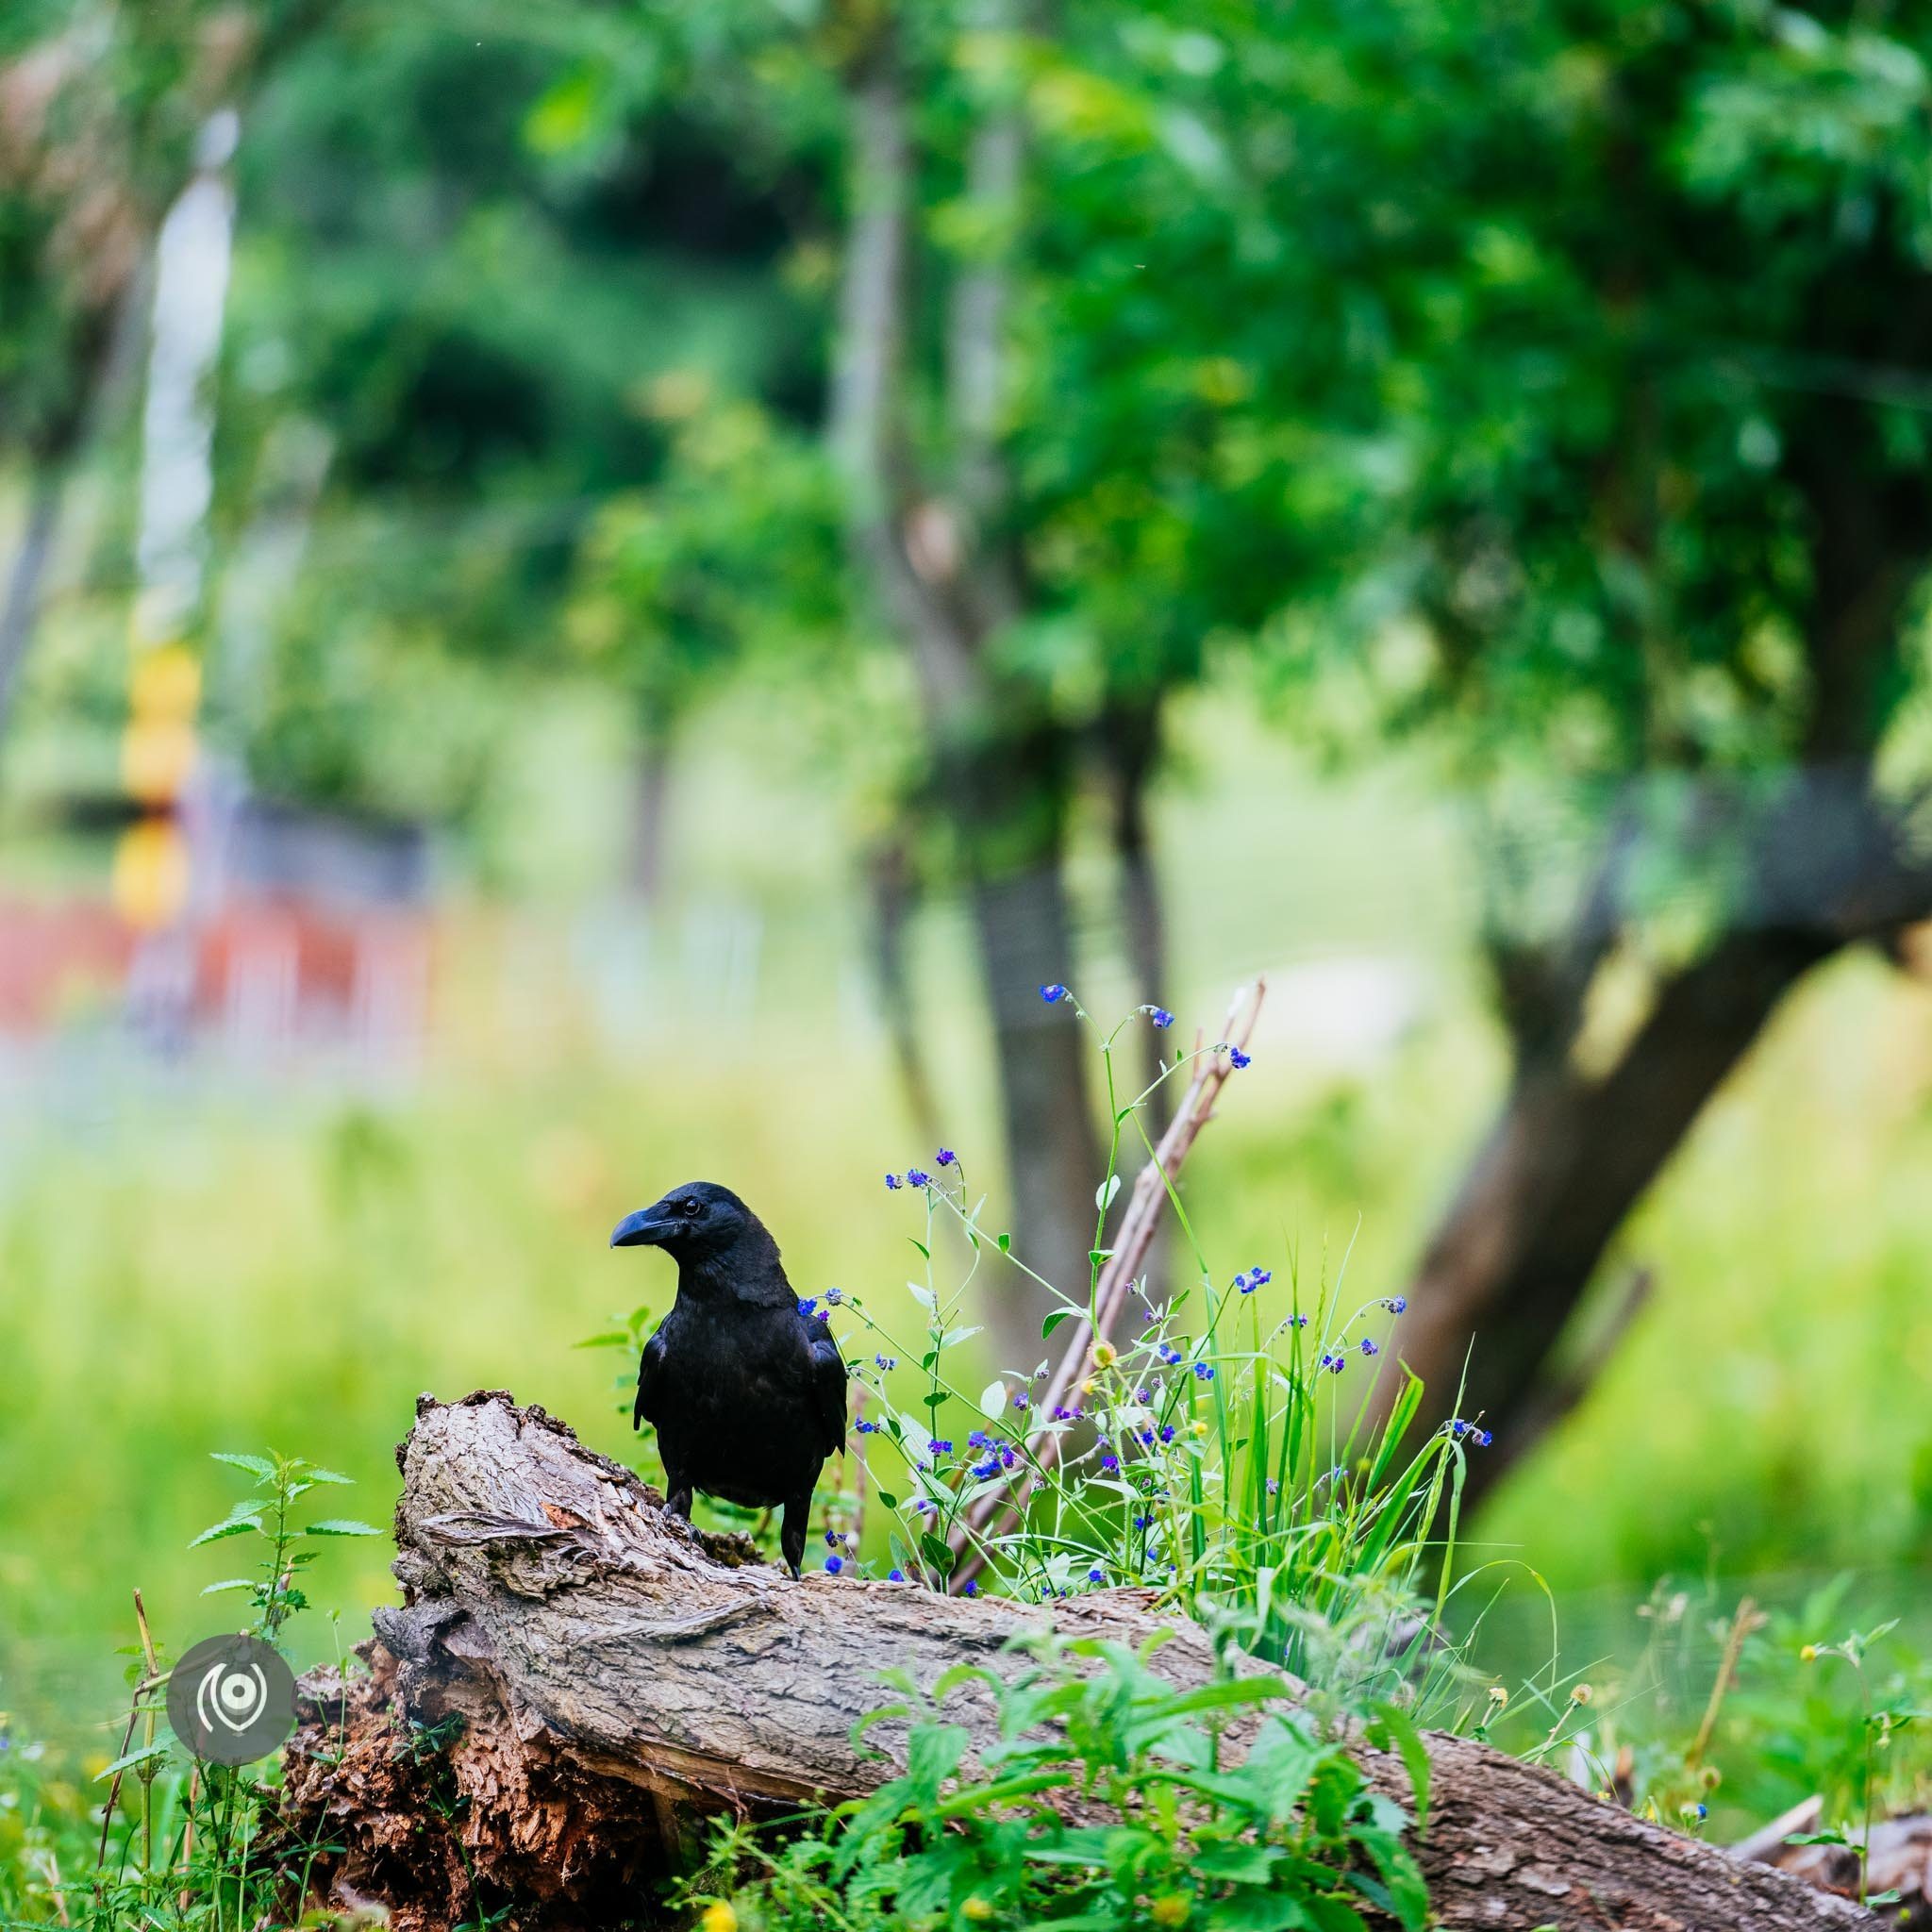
(1396, 1724)
(935, 1399)
(612, 1338)
(1006, 1245)
(233, 1526)
(936, 1553)
(341, 1525)
(992, 1400)
(255, 1465)
(1054, 1320)
(143, 1755)
(887, 1497)
(330, 1475)
(229, 1583)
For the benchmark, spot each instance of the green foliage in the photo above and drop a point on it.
(1284, 1833)
(177, 1847)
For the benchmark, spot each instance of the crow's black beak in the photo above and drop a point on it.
(640, 1231)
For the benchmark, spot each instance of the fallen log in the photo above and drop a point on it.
(574, 1682)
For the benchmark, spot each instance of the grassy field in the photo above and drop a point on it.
(194, 1263)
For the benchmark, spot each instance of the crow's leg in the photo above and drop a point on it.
(677, 1491)
(792, 1533)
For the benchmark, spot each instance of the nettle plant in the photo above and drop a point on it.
(159, 1841)
(1111, 1799)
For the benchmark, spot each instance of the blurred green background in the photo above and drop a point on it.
(1444, 524)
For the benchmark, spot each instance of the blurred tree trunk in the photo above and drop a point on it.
(1831, 860)
(1129, 752)
(21, 610)
(942, 564)
(1559, 1172)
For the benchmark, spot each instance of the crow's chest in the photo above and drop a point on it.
(736, 1409)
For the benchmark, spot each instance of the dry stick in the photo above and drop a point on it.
(1748, 1618)
(134, 1710)
(1138, 1228)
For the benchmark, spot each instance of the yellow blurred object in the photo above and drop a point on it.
(165, 683)
(151, 875)
(718, 1917)
(156, 756)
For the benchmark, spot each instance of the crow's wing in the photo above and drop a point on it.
(827, 1387)
(650, 1382)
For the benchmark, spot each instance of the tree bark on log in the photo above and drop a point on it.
(574, 1682)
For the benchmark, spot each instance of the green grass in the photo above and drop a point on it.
(189, 1268)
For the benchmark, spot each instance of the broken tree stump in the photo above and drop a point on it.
(575, 1681)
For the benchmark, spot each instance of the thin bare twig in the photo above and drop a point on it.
(1136, 1231)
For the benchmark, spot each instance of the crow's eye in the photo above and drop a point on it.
(689, 1209)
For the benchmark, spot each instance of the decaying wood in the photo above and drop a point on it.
(575, 1680)
(1900, 1861)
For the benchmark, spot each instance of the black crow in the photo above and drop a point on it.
(745, 1391)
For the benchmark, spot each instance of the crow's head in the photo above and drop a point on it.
(698, 1222)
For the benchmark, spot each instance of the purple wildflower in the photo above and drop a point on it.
(971, 1587)
(892, 1180)
(917, 1177)
(944, 1158)
(895, 1576)
(833, 1565)
(1369, 1345)
(1240, 1059)
(1162, 1018)
(1053, 995)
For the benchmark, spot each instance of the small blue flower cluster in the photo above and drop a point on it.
(866, 1428)
(1469, 1431)
(1396, 1304)
(886, 1361)
(1162, 1018)
(1204, 1372)
(1334, 1363)
(917, 1176)
(1257, 1277)
(941, 1446)
(1238, 1058)
(1369, 1346)
(1053, 995)
(808, 1306)
(1169, 1355)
